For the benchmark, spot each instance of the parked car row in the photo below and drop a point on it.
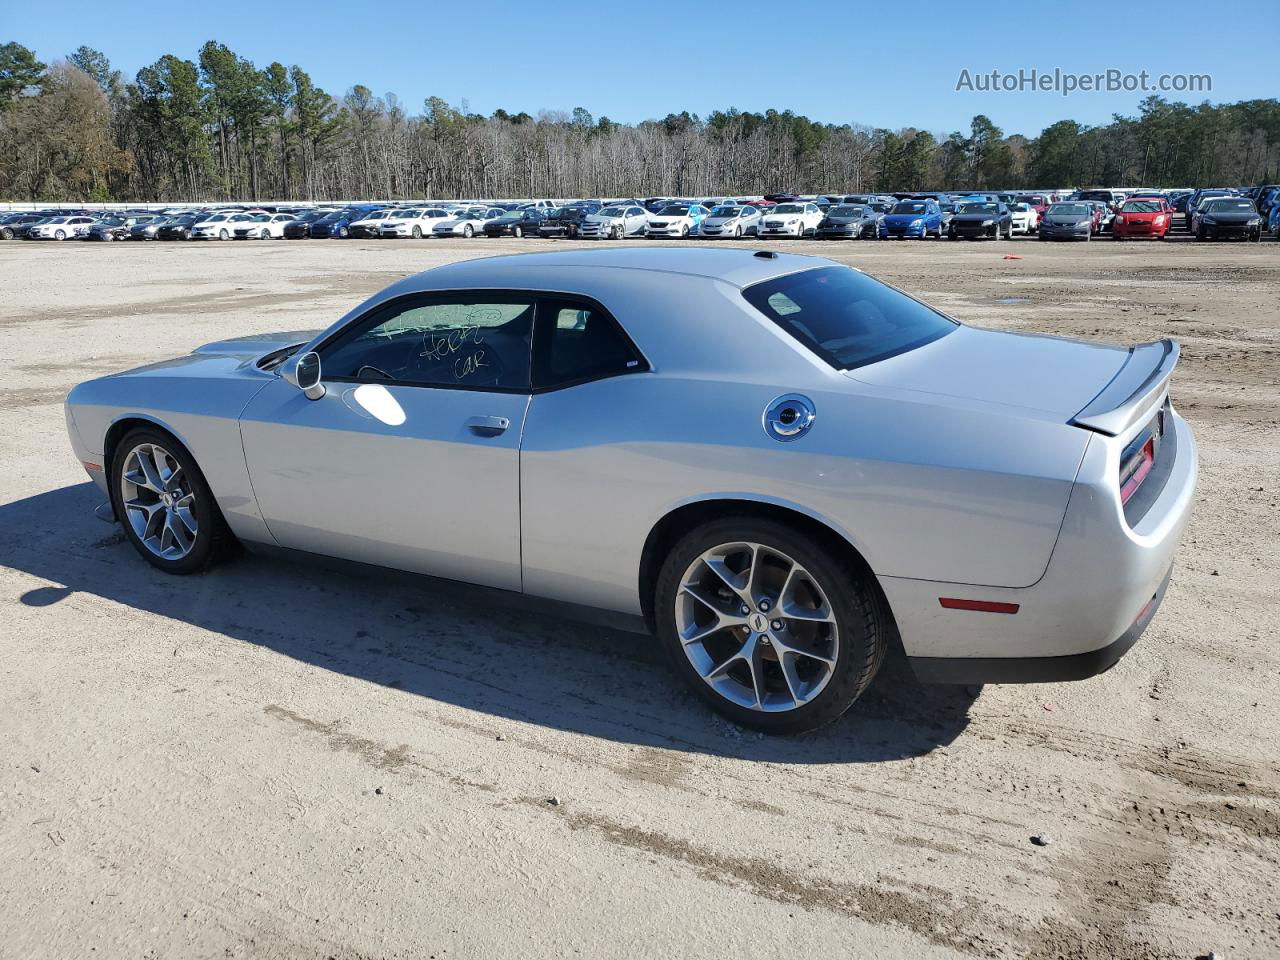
(1215, 213)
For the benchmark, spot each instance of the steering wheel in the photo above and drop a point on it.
(374, 371)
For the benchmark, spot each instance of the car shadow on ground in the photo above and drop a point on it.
(431, 639)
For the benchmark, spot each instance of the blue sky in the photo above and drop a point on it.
(889, 64)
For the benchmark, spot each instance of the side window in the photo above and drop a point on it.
(577, 342)
(480, 343)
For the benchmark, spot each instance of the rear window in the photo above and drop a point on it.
(845, 317)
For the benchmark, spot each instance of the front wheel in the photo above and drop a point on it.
(770, 628)
(517, 232)
(164, 503)
(467, 231)
(417, 232)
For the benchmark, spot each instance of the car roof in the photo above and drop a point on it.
(736, 267)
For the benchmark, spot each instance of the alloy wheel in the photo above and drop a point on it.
(757, 627)
(158, 501)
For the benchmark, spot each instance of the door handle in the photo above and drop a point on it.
(488, 426)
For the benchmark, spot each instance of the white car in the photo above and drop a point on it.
(677, 220)
(371, 226)
(218, 226)
(796, 220)
(1025, 218)
(416, 222)
(265, 226)
(467, 224)
(616, 223)
(60, 228)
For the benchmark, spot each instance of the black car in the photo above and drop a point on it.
(1227, 217)
(300, 229)
(566, 221)
(178, 228)
(980, 219)
(849, 222)
(519, 223)
(15, 225)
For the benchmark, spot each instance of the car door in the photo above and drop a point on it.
(636, 220)
(410, 459)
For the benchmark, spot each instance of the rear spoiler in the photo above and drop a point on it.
(1134, 391)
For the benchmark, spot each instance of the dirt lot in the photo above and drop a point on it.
(279, 761)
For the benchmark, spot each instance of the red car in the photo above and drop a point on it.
(1036, 201)
(1142, 217)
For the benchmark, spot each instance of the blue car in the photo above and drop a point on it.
(338, 223)
(912, 218)
(1273, 224)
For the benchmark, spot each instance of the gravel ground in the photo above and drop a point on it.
(281, 761)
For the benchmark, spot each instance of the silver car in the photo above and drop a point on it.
(731, 221)
(616, 222)
(775, 463)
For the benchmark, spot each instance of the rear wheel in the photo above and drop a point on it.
(768, 626)
(164, 503)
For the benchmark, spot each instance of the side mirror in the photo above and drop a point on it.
(304, 373)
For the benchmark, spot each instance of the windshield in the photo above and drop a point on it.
(613, 212)
(674, 210)
(261, 218)
(845, 317)
(405, 215)
(1141, 206)
(1069, 210)
(976, 208)
(1231, 206)
(788, 208)
(909, 208)
(726, 213)
(843, 211)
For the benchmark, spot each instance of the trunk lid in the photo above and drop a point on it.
(1053, 376)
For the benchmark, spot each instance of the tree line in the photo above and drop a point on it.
(220, 128)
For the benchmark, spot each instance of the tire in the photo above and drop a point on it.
(468, 232)
(417, 232)
(615, 232)
(684, 231)
(211, 539)
(344, 232)
(857, 628)
(59, 235)
(517, 232)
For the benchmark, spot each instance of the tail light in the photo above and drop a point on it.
(1139, 457)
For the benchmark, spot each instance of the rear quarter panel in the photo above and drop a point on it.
(958, 491)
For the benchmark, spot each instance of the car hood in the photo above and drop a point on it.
(1242, 216)
(1053, 376)
(255, 345)
(1055, 218)
(904, 217)
(974, 216)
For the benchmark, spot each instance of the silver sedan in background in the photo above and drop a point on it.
(730, 222)
(775, 463)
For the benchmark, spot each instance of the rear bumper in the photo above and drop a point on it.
(1094, 599)
(1075, 666)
